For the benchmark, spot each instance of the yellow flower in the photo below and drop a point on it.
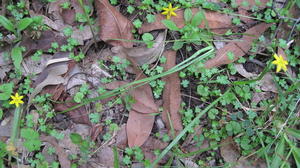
(16, 100)
(280, 62)
(169, 11)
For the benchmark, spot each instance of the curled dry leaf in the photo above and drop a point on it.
(171, 95)
(113, 25)
(143, 55)
(238, 48)
(62, 156)
(265, 84)
(217, 22)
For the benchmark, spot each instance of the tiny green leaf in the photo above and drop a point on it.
(16, 55)
(188, 14)
(170, 25)
(197, 19)
(76, 138)
(24, 23)
(177, 45)
(7, 24)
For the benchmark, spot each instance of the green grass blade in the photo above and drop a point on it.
(116, 157)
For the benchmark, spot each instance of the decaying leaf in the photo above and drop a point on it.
(141, 116)
(143, 55)
(171, 95)
(113, 25)
(217, 22)
(237, 48)
(62, 155)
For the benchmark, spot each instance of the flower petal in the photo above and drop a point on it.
(165, 12)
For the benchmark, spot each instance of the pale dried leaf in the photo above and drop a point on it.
(171, 95)
(238, 48)
(53, 78)
(217, 22)
(113, 25)
(143, 55)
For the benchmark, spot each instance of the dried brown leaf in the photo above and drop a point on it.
(171, 95)
(141, 118)
(139, 127)
(217, 22)
(238, 48)
(113, 25)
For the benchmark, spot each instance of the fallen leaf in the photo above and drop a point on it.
(143, 55)
(238, 48)
(217, 22)
(171, 95)
(139, 127)
(68, 16)
(62, 156)
(113, 25)
(141, 116)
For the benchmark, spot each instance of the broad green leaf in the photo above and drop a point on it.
(24, 23)
(279, 154)
(188, 14)
(197, 19)
(7, 24)
(170, 25)
(177, 45)
(294, 132)
(5, 91)
(16, 55)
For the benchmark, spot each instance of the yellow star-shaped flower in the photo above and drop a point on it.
(16, 100)
(280, 62)
(169, 11)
